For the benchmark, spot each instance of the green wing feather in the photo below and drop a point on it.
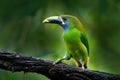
(84, 41)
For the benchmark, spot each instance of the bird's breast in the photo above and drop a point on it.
(74, 44)
(72, 37)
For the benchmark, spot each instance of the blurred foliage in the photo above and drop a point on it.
(22, 31)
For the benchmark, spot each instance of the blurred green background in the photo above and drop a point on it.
(22, 31)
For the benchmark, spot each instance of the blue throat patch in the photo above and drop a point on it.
(65, 26)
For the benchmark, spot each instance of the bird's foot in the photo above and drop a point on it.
(83, 68)
(57, 61)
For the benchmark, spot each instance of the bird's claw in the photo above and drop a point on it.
(57, 61)
(83, 68)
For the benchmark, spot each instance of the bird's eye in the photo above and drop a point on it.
(64, 19)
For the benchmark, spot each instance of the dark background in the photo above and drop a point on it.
(22, 31)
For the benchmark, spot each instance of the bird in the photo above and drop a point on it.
(75, 39)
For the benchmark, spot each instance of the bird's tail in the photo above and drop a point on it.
(86, 63)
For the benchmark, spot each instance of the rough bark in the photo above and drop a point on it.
(16, 63)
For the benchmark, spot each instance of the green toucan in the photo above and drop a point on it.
(75, 39)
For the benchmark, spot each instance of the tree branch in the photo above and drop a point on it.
(16, 63)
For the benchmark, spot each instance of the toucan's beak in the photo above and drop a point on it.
(53, 19)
